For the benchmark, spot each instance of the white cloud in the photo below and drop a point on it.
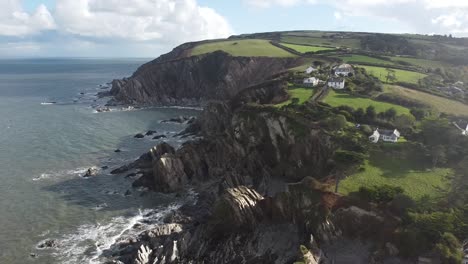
(270, 3)
(337, 15)
(423, 16)
(165, 20)
(16, 22)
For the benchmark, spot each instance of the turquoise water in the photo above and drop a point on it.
(45, 149)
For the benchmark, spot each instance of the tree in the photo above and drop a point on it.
(337, 122)
(371, 114)
(439, 155)
(448, 249)
(359, 114)
(345, 162)
(391, 77)
(404, 121)
(391, 113)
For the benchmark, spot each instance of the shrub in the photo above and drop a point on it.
(379, 194)
(448, 249)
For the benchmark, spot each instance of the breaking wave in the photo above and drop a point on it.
(88, 243)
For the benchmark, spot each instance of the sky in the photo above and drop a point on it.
(148, 28)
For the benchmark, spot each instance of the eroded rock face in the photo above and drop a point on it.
(169, 174)
(192, 80)
(238, 208)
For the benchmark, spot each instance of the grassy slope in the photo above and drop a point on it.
(248, 47)
(399, 170)
(304, 48)
(351, 43)
(421, 62)
(364, 59)
(337, 99)
(303, 94)
(442, 104)
(401, 75)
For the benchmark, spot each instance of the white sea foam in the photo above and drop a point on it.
(62, 173)
(89, 241)
(183, 107)
(48, 103)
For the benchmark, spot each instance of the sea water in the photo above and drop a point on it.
(49, 136)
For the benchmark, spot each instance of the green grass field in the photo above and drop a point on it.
(247, 47)
(303, 94)
(398, 169)
(305, 48)
(421, 62)
(401, 75)
(364, 59)
(442, 104)
(336, 99)
(350, 43)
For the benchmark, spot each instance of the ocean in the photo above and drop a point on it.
(46, 148)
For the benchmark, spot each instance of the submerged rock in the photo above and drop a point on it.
(48, 243)
(101, 109)
(139, 135)
(151, 132)
(91, 172)
(117, 150)
(160, 136)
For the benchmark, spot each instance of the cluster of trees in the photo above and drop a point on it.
(364, 84)
(389, 44)
(389, 118)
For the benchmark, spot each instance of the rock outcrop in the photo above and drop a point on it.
(194, 80)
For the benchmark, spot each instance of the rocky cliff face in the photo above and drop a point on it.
(172, 80)
(255, 170)
(247, 212)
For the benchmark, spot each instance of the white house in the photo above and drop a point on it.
(374, 138)
(336, 83)
(310, 82)
(385, 135)
(310, 70)
(344, 70)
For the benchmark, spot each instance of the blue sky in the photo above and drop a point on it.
(147, 28)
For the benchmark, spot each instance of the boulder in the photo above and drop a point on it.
(91, 172)
(48, 243)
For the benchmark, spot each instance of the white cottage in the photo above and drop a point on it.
(336, 83)
(310, 82)
(344, 70)
(385, 135)
(310, 70)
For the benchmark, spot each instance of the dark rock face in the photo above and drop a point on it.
(193, 80)
(241, 216)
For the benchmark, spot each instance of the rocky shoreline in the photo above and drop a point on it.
(260, 175)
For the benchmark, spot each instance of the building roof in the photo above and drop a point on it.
(336, 79)
(344, 67)
(389, 133)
